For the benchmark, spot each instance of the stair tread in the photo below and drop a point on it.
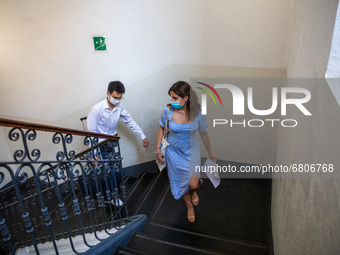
(137, 190)
(129, 181)
(128, 251)
(150, 244)
(151, 194)
(237, 208)
(171, 233)
(142, 181)
(240, 225)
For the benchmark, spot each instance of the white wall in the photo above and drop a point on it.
(311, 38)
(50, 73)
(306, 211)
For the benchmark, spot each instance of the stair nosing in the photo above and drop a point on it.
(145, 236)
(133, 251)
(207, 236)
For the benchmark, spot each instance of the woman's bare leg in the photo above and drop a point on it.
(191, 197)
(191, 212)
(193, 186)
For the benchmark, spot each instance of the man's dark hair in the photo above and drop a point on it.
(116, 86)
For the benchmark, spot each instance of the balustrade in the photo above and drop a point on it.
(73, 194)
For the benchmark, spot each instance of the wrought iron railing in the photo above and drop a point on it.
(70, 195)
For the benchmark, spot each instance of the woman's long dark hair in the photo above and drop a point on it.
(182, 89)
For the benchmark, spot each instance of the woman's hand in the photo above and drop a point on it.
(159, 154)
(161, 158)
(213, 156)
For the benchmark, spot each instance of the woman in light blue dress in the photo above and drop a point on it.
(183, 153)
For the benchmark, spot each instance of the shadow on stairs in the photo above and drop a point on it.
(234, 218)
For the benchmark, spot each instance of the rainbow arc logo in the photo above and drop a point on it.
(210, 94)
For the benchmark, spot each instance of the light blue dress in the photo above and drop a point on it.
(183, 153)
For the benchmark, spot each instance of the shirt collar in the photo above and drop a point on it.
(106, 106)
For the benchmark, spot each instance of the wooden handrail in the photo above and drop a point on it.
(47, 128)
(53, 129)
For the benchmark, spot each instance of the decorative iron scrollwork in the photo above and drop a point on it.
(67, 139)
(44, 192)
(21, 155)
(92, 142)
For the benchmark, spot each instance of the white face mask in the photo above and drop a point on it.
(114, 101)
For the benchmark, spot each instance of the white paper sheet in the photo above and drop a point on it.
(214, 176)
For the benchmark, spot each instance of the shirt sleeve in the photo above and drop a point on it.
(93, 120)
(162, 119)
(128, 120)
(202, 122)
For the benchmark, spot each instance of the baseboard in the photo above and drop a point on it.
(136, 170)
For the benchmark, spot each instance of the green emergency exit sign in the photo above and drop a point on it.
(99, 43)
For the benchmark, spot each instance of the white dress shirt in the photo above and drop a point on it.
(102, 119)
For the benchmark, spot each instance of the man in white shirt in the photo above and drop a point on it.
(103, 118)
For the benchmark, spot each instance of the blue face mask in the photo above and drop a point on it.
(176, 105)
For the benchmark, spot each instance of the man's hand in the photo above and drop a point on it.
(145, 143)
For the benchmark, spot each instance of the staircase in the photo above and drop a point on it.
(234, 218)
